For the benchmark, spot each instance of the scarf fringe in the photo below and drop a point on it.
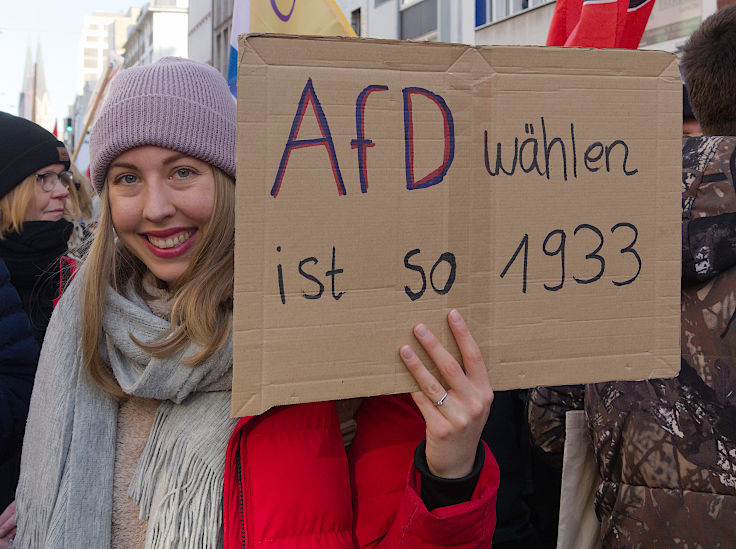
(34, 518)
(65, 495)
(179, 481)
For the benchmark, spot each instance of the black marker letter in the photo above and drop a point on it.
(332, 272)
(281, 279)
(414, 295)
(311, 277)
(450, 259)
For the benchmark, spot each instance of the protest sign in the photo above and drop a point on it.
(382, 183)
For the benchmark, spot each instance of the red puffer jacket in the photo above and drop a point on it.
(290, 485)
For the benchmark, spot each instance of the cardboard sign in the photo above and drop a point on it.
(382, 183)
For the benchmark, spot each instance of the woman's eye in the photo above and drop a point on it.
(127, 179)
(183, 173)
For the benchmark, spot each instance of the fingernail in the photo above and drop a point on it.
(455, 317)
(406, 352)
(420, 330)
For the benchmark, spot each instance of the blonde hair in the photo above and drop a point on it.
(80, 197)
(202, 295)
(13, 206)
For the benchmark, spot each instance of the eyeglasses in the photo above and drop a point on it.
(49, 179)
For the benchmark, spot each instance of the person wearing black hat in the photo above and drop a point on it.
(33, 236)
(34, 191)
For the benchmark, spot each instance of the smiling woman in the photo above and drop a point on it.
(141, 339)
(140, 450)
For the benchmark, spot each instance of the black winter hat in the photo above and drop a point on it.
(26, 147)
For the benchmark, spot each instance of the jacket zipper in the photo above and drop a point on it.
(239, 477)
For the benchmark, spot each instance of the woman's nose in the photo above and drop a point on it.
(59, 191)
(158, 204)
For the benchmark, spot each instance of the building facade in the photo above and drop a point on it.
(672, 21)
(102, 42)
(502, 22)
(200, 31)
(161, 30)
(443, 20)
(209, 32)
(222, 16)
(102, 34)
(509, 22)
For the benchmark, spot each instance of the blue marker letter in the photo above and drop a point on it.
(438, 174)
(308, 95)
(361, 143)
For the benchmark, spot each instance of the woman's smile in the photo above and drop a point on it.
(169, 242)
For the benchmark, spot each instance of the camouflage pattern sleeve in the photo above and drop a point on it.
(546, 416)
(666, 448)
(708, 247)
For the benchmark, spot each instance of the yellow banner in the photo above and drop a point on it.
(314, 17)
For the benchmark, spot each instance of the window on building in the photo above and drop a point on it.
(218, 52)
(90, 58)
(419, 19)
(483, 12)
(355, 21)
(515, 6)
(226, 49)
(487, 11)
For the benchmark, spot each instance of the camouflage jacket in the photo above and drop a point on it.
(666, 448)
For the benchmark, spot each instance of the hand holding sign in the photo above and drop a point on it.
(455, 418)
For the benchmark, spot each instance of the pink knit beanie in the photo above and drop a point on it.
(174, 103)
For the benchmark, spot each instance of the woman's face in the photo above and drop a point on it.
(160, 201)
(47, 205)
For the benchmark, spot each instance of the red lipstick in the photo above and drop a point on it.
(168, 253)
(163, 233)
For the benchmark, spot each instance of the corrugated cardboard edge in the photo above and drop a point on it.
(246, 348)
(510, 59)
(669, 156)
(343, 56)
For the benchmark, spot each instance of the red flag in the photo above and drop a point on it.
(599, 23)
(56, 128)
(637, 16)
(564, 19)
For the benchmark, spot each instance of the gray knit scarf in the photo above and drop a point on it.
(64, 498)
